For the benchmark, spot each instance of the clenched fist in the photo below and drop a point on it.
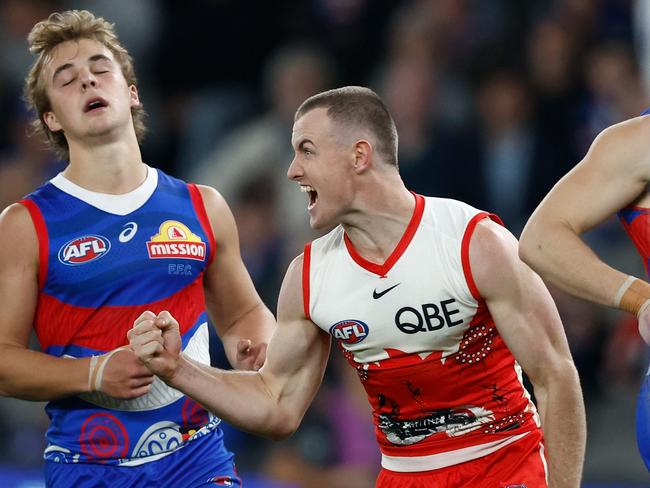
(156, 341)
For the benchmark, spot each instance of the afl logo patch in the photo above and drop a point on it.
(349, 331)
(84, 249)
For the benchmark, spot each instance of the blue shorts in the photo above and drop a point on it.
(202, 462)
(643, 421)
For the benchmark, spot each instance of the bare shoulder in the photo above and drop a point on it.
(290, 301)
(493, 254)
(492, 241)
(16, 227)
(221, 218)
(293, 277)
(630, 129)
(212, 199)
(623, 146)
(16, 224)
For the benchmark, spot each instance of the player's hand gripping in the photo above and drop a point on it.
(119, 374)
(156, 341)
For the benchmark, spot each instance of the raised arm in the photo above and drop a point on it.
(527, 319)
(271, 401)
(33, 375)
(243, 322)
(613, 174)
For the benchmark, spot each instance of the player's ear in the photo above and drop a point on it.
(362, 156)
(135, 98)
(52, 122)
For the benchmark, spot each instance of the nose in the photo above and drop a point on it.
(295, 170)
(87, 78)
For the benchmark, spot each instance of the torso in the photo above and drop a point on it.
(105, 259)
(443, 387)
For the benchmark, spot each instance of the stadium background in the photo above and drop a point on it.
(494, 100)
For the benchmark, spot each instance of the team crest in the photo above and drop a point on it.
(82, 250)
(175, 241)
(349, 331)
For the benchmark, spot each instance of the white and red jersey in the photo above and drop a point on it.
(443, 386)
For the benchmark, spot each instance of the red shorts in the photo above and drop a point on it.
(517, 465)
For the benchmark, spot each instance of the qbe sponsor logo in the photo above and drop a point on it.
(83, 250)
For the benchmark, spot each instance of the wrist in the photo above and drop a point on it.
(633, 296)
(173, 376)
(643, 307)
(96, 369)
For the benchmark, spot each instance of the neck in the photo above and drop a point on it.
(379, 221)
(113, 167)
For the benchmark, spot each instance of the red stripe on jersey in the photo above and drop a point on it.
(202, 214)
(464, 250)
(383, 269)
(43, 239)
(306, 264)
(104, 328)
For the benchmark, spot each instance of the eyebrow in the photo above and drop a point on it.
(304, 142)
(93, 58)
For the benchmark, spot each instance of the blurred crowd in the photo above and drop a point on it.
(493, 100)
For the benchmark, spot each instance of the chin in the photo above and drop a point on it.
(321, 223)
(315, 223)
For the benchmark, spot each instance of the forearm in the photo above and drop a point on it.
(241, 398)
(561, 409)
(560, 256)
(36, 376)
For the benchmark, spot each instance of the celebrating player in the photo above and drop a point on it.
(428, 301)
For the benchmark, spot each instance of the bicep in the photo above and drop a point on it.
(18, 276)
(298, 352)
(519, 302)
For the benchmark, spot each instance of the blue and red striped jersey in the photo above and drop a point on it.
(104, 260)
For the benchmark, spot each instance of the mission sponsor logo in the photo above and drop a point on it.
(349, 331)
(82, 250)
(175, 241)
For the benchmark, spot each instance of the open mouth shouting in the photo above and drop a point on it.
(313, 195)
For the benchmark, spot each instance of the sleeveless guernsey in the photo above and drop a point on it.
(105, 259)
(443, 387)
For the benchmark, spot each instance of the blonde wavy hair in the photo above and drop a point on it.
(44, 37)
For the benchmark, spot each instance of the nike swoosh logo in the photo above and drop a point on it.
(376, 294)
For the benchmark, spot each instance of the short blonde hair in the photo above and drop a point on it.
(46, 35)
